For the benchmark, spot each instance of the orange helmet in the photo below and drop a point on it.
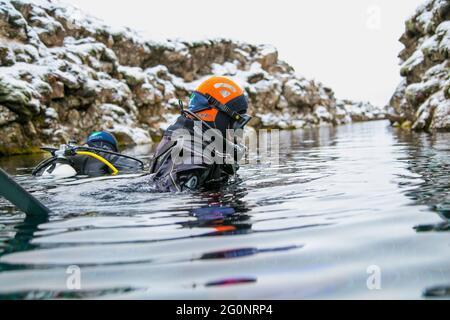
(221, 88)
(217, 90)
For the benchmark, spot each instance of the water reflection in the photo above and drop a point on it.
(226, 214)
(340, 200)
(24, 233)
(428, 159)
(223, 211)
(107, 225)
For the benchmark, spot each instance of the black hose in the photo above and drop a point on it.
(109, 152)
(42, 165)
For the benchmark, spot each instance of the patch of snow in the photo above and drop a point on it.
(226, 69)
(169, 120)
(416, 59)
(137, 135)
(430, 45)
(134, 75)
(51, 113)
(322, 113)
(267, 49)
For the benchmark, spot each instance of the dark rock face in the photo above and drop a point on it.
(423, 97)
(64, 74)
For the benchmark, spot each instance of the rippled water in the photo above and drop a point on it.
(344, 205)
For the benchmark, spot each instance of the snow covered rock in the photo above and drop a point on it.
(422, 97)
(64, 74)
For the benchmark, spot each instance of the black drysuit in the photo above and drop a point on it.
(173, 174)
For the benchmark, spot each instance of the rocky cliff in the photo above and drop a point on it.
(422, 99)
(64, 74)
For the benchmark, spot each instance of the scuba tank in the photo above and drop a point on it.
(61, 168)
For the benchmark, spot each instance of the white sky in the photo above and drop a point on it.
(349, 45)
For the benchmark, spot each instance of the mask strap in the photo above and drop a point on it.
(223, 107)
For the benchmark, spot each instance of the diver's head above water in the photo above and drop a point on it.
(217, 103)
(102, 140)
(221, 103)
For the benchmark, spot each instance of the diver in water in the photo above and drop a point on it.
(98, 156)
(217, 111)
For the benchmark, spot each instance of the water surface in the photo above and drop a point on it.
(342, 203)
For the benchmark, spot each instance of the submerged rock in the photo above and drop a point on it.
(423, 97)
(64, 74)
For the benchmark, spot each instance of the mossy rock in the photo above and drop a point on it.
(16, 150)
(406, 125)
(15, 92)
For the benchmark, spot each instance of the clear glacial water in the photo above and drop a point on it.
(342, 203)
